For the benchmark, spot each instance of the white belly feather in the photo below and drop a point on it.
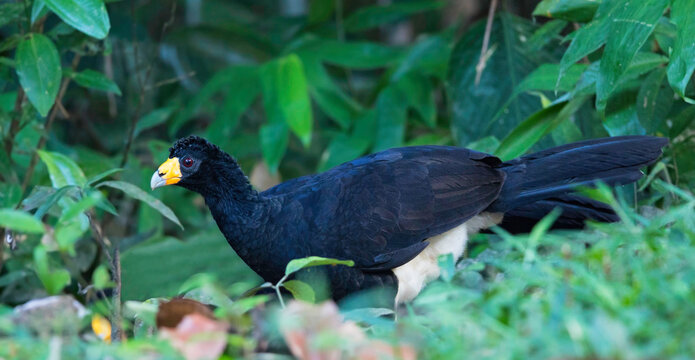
(413, 275)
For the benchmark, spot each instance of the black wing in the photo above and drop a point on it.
(377, 210)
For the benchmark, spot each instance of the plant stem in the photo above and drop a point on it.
(47, 129)
(482, 61)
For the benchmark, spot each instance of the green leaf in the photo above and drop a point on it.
(9, 12)
(570, 10)
(62, 170)
(298, 264)
(476, 107)
(391, 114)
(621, 116)
(286, 95)
(328, 96)
(101, 278)
(52, 200)
(274, 139)
(300, 290)
(354, 55)
(589, 37)
(137, 193)
(681, 121)
(38, 68)
(87, 16)
(21, 221)
(631, 26)
(369, 17)
(529, 132)
(654, 101)
(103, 175)
(53, 281)
(154, 118)
(418, 92)
(447, 266)
(544, 78)
(682, 64)
(38, 10)
(94, 80)
(240, 84)
(546, 34)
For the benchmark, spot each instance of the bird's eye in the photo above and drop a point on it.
(187, 162)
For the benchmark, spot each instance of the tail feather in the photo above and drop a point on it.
(576, 210)
(560, 170)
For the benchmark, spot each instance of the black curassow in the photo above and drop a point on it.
(394, 212)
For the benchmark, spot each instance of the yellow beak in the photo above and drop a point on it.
(169, 173)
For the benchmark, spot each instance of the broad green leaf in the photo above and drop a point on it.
(298, 264)
(369, 17)
(391, 114)
(570, 10)
(53, 280)
(682, 64)
(447, 266)
(545, 77)
(87, 16)
(286, 96)
(621, 116)
(10, 11)
(144, 278)
(94, 80)
(641, 64)
(38, 68)
(62, 170)
(137, 193)
(274, 139)
(300, 290)
(101, 278)
(21, 221)
(589, 37)
(654, 101)
(487, 144)
(475, 107)
(529, 132)
(631, 25)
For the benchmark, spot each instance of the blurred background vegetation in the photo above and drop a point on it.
(92, 94)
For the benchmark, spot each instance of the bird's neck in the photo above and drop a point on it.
(239, 210)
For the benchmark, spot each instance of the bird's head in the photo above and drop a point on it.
(198, 165)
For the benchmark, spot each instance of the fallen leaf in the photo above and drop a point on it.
(101, 327)
(197, 337)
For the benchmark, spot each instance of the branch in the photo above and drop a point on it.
(47, 128)
(482, 61)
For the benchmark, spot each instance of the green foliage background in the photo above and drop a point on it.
(92, 94)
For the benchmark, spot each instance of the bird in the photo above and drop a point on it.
(394, 212)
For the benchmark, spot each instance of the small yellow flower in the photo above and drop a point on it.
(101, 327)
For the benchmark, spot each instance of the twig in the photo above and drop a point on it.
(117, 316)
(170, 81)
(482, 61)
(141, 81)
(47, 128)
(14, 126)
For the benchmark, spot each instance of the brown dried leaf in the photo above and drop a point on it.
(197, 337)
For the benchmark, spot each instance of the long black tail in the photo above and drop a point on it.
(557, 171)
